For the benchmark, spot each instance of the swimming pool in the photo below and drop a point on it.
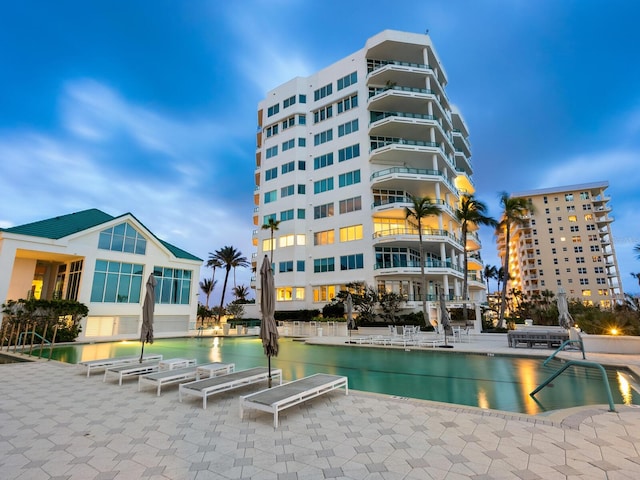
(485, 381)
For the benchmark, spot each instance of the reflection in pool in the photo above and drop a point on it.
(495, 382)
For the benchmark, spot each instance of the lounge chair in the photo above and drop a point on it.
(276, 399)
(130, 370)
(182, 375)
(112, 362)
(210, 386)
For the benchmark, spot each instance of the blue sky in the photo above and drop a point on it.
(149, 107)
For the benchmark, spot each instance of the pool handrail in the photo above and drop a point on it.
(561, 347)
(570, 363)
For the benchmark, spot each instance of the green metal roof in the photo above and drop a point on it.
(65, 225)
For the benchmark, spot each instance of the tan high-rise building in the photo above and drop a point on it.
(565, 243)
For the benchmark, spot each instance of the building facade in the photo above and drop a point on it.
(103, 262)
(565, 242)
(339, 153)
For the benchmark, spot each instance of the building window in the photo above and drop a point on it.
(582, 270)
(289, 101)
(579, 259)
(324, 293)
(349, 152)
(271, 174)
(322, 161)
(174, 285)
(545, 199)
(323, 114)
(287, 191)
(302, 214)
(273, 130)
(588, 217)
(349, 178)
(73, 286)
(286, 215)
(349, 234)
(350, 205)
(122, 238)
(271, 196)
(574, 228)
(568, 197)
(268, 245)
(595, 248)
(272, 151)
(598, 269)
(322, 211)
(302, 119)
(288, 294)
(266, 218)
(601, 281)
(584, 281)
(570, 208)
(302, 98)
(321, 265)
(300, 265)
(348, 103)
(324, 185)
(288, 167)
(591, 228)
(288, 122)
(586, 207)
(289, 144)
(576, 239)
(302, 188)
(116, 282)
(347, 80)
(272, 110)
(325, 237)
(286, 266)
(577, 249)
(352, 262)
(347, 128)
(323, 92)
(323, 137)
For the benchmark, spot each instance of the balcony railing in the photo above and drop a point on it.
(429, 264)
(373, 65)
(402, 200)
(373, 91)
(416, 172)
(426, 232)
(379, 142)
(375, 116)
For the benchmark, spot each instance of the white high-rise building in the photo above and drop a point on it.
(339, 153)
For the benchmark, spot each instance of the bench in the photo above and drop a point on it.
(210, 386)
(111, 362)
(130, 370)
(274, 400)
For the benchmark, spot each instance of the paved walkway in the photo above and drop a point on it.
(57, 424)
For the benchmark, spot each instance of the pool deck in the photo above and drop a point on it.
(57, 424)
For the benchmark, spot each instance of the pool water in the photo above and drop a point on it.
(479, 380)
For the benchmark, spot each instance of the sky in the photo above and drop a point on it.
(149, 106)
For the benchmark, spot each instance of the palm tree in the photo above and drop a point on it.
(207, 285)
(500, 276)
(272, 224)
(213, 263)
(422, 207)
(490, 272)
(636, 276)
(636, 249)
(241, 293)
(229, 258)
(514, 213)
(470, 214)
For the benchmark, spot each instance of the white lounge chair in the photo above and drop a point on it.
(130, 370)
(182, 375)
(274, 400)
(210, 386)
(103, 363)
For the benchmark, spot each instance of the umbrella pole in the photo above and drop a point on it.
(142, 352)
(269, 364)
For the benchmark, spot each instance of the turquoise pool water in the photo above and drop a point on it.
(495, 382)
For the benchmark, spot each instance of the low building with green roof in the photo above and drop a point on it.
(103, 262)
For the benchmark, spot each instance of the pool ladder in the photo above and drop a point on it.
(581, 363)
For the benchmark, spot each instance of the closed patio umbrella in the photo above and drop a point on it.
(146, 332)
(564, 317)
(268, 329)
(348, 307)
(444, 318)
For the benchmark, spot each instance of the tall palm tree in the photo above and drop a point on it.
(500, 276)
(213, 263)
(229, 258)
(207, 285)
(272, 224)
(422, 207)
(471, 214)
(241, 293)
(636, 276)
(514, 211)
(489, 272)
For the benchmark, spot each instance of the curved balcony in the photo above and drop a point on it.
(408, 99)
(413, 268)
(388, 205)
(400, 175)
(416, 126)
(409, 152)
(461, 142)
(410, 235)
